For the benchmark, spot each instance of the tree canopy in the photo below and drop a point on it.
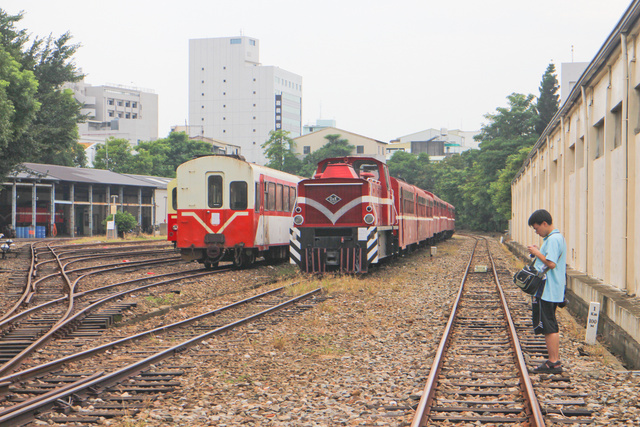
(38, 119)
(279, 150)
(335, 147)
(549, 100)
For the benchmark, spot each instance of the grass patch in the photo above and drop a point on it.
(160, 300)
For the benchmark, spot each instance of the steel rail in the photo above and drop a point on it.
(42, 340)
(49, 366)
(525, 380)
(27, 288)
(111, 267)
(424, 406)
(105, 381)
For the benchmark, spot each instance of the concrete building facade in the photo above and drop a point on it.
(585, 170)
(116, 111)
(232, 97)
(364, 146)
(437, 143)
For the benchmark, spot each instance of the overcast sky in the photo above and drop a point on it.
(379, 68)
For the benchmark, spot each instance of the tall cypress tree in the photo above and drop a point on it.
(548, 101)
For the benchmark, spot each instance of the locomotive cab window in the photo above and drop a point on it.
(174, 198)
(238, 195)
(214, 191)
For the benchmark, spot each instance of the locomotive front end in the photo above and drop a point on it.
(336, 219)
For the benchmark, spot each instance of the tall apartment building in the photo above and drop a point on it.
(233, 98)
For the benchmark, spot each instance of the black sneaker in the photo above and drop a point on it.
(548, 368)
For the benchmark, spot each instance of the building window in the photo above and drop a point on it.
(224, 118)
(202, 93)
(224, 93)
(360, 149)
(254, 92)
(119, 103)
(120, 115)
(127, 116)
(134, 105)
(111, 114)
(252, 42)
(254, 130)
(134, 115)
(203, 82)
(306, 149)
(254, 117)
(202, 106)
(110, 101)
(224, 81)
(599, 134)
(254, 105)
(236, 41)
(127, 104)
(254, 79)
(617, 123)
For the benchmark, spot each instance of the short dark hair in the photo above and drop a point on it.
(540, 216)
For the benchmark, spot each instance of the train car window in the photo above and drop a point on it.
(286, 199)
(279, 197)
(215, 191)
(292, 198)
(174, 198)
(238, 195)
(271, 205)
(256, 206)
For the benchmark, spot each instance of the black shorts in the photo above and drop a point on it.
(544, 316)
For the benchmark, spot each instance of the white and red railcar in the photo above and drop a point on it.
(229, 209)
(353, 214)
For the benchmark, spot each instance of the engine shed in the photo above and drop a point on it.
(39, 200)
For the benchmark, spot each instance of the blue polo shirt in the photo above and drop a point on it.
(554, 249)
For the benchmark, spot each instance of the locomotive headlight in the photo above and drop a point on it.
(369, 218)
(175, 227)
(298, 219)
(369, 208)
(298, 209)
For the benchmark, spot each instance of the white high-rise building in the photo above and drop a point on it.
(233, 98)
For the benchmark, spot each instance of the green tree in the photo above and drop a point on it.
(166, 154)
(548, 101)
(416, 170)
(18, 109)
(115, 155)
(51, 136)
(279, 149)
(335, 147)
(508, 130)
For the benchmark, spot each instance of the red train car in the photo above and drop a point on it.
(352, 214)
(229, 209)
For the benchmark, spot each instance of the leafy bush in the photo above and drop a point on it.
(124, 220)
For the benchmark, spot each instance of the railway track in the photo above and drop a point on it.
(480, 374)
(123, 373)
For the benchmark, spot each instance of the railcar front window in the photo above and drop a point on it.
(238, 195)
(214, 193)
(174, 199)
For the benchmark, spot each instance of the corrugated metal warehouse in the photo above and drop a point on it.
(585, 170)
(47, 200)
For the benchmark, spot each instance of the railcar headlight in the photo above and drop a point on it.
(369, 208)
(369, 218)
(298, 219)
(298, 209)
(175, 227)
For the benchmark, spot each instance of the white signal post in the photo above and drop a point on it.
(592, 322)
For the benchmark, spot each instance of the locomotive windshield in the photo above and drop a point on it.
(214, 191)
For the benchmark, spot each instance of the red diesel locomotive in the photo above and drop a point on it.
(353, 214)
(229, 209)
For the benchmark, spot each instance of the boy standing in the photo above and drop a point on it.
(551, 256)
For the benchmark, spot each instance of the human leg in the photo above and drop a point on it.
(553, 346)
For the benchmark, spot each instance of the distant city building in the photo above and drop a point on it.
(320, 124)
(116, 111)
(217, 147)
(363, 146)
(570, 73)
(232, 97)
(437, 143)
